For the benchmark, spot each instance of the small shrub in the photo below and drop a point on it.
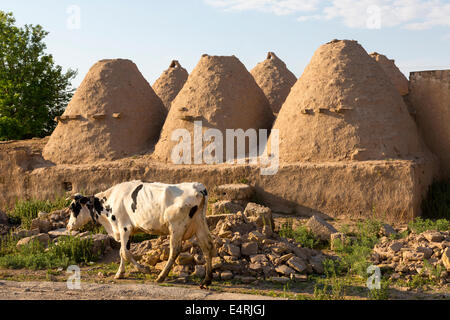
(420, 225)
(380, 294)
(68, 250)
(301, 234)
(27, 210)
(139, 237)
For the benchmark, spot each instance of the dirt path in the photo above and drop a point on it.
(35, 290)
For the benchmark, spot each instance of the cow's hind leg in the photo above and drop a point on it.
(207, 245)
(176, 238)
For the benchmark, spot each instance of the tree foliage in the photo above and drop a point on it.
(33, 89)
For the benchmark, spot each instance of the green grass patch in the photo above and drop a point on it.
(68, 251)
(420, 225)
(26, 210)
(301, 234)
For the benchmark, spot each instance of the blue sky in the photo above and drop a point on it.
(416, 33)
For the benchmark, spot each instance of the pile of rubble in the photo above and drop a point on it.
(405, 257)
(247, 247)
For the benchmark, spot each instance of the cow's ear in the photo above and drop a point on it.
(84, 200)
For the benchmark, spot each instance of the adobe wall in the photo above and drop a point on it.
(391, 190)
(429, 94)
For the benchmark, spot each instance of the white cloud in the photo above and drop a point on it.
(278, 7)
(408, 14)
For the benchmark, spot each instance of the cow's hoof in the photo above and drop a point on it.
(160, 279)
(119, 276)
(203, 287)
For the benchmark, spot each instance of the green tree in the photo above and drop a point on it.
(33, 89)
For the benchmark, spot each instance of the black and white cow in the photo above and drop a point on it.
(177, 210)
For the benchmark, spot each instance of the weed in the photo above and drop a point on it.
(26, 210)
(301, 235)
(420, 225)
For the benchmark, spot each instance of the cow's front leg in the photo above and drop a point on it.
(121, 271)
(176, 238)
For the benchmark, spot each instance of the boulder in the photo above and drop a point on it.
(138, 250)
(320, 228)
(297, 264)
(232, 250)
(225, 207)
(43, 238)
(387, 230)
(226, 275)
(433, 236)
(249, 248)
(259, 214)
(280, 280)
(43, 226)
(151, 258)
(199, 271)
(234, 192)
(64, 232)
(284, 270)
(185, 258)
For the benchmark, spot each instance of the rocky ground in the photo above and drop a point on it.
(251, 257)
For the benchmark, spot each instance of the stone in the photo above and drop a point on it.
(281, 248)
(387, 230)
(199, 271)
(297, 264)
(433, 236)
(185, 258)
(320, 228)
(284, 270)
(225, 207)
(199, 259)
(226, 275)
(138, 250)
(396, 246)
(280, 280)
(43, 238)
(151, 258)
(216, 262)
(285, 258)
(259, 258)
(249, 248)
(337, 240)
(256, 236)
(232, 250)
(63, 232)
(300, 277)
(316, 263)
(257, 267)
(234, 192)
(43, 215)
(427, 252)
(43, 226)
(160, 266)
(260, 215)
(413, 256)
(24, 234)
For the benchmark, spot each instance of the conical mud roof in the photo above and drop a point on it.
(220, 93)
(170, 83)
(113, 114)
(394, 74)
(275, 79)
(344, 107)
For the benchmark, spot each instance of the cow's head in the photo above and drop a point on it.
(80, 212)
